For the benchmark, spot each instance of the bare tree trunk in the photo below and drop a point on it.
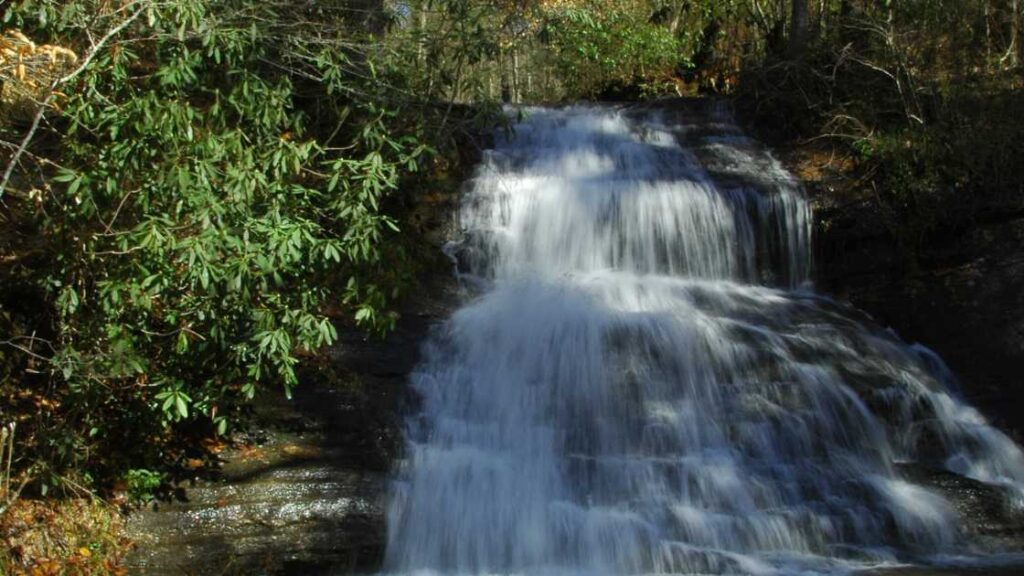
(988, 34)
(421, 47)
(800, 19)
(677, 17)
(515, 74)
(819, 26)
(1016, 46)
(506, 90)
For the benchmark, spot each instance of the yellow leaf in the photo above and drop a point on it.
(85, 552)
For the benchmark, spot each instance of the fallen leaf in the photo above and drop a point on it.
(299, 451)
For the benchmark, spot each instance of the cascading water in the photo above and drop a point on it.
(647, 384)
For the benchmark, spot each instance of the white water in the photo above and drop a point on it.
(630, 395)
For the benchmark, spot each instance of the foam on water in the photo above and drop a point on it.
(648, 385)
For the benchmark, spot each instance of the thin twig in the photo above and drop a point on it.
(38, 118)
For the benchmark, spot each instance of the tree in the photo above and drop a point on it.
(799, 27)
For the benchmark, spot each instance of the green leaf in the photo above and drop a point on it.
(65, 175)
(179, 401)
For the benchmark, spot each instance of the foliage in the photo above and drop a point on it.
(923, 96)
(73, 537)
(216, 178)
(550, 50)
(604, 44)
(142, 484)
(961, 167)
(437, 47)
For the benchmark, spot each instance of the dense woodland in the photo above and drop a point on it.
(194, 193)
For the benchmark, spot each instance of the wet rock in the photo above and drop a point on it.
(1012, 570)
(984, 508)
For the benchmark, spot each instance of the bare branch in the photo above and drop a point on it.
(41, 111)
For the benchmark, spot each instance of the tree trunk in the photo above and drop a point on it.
(503, 76)
(677, 17)
(800, 24)
(819, 23)
(1016, 46)
(988, 34)
(421, 45)
(515, 75)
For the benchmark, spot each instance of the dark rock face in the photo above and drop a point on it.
(987, 517)
(985, 570)
(966, 300)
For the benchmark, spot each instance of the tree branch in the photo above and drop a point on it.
(37, 119)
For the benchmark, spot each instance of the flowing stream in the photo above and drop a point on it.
(646, 382)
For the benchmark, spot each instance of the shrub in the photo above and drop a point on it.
(208, 183)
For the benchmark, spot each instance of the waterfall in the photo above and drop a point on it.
(646, 382)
